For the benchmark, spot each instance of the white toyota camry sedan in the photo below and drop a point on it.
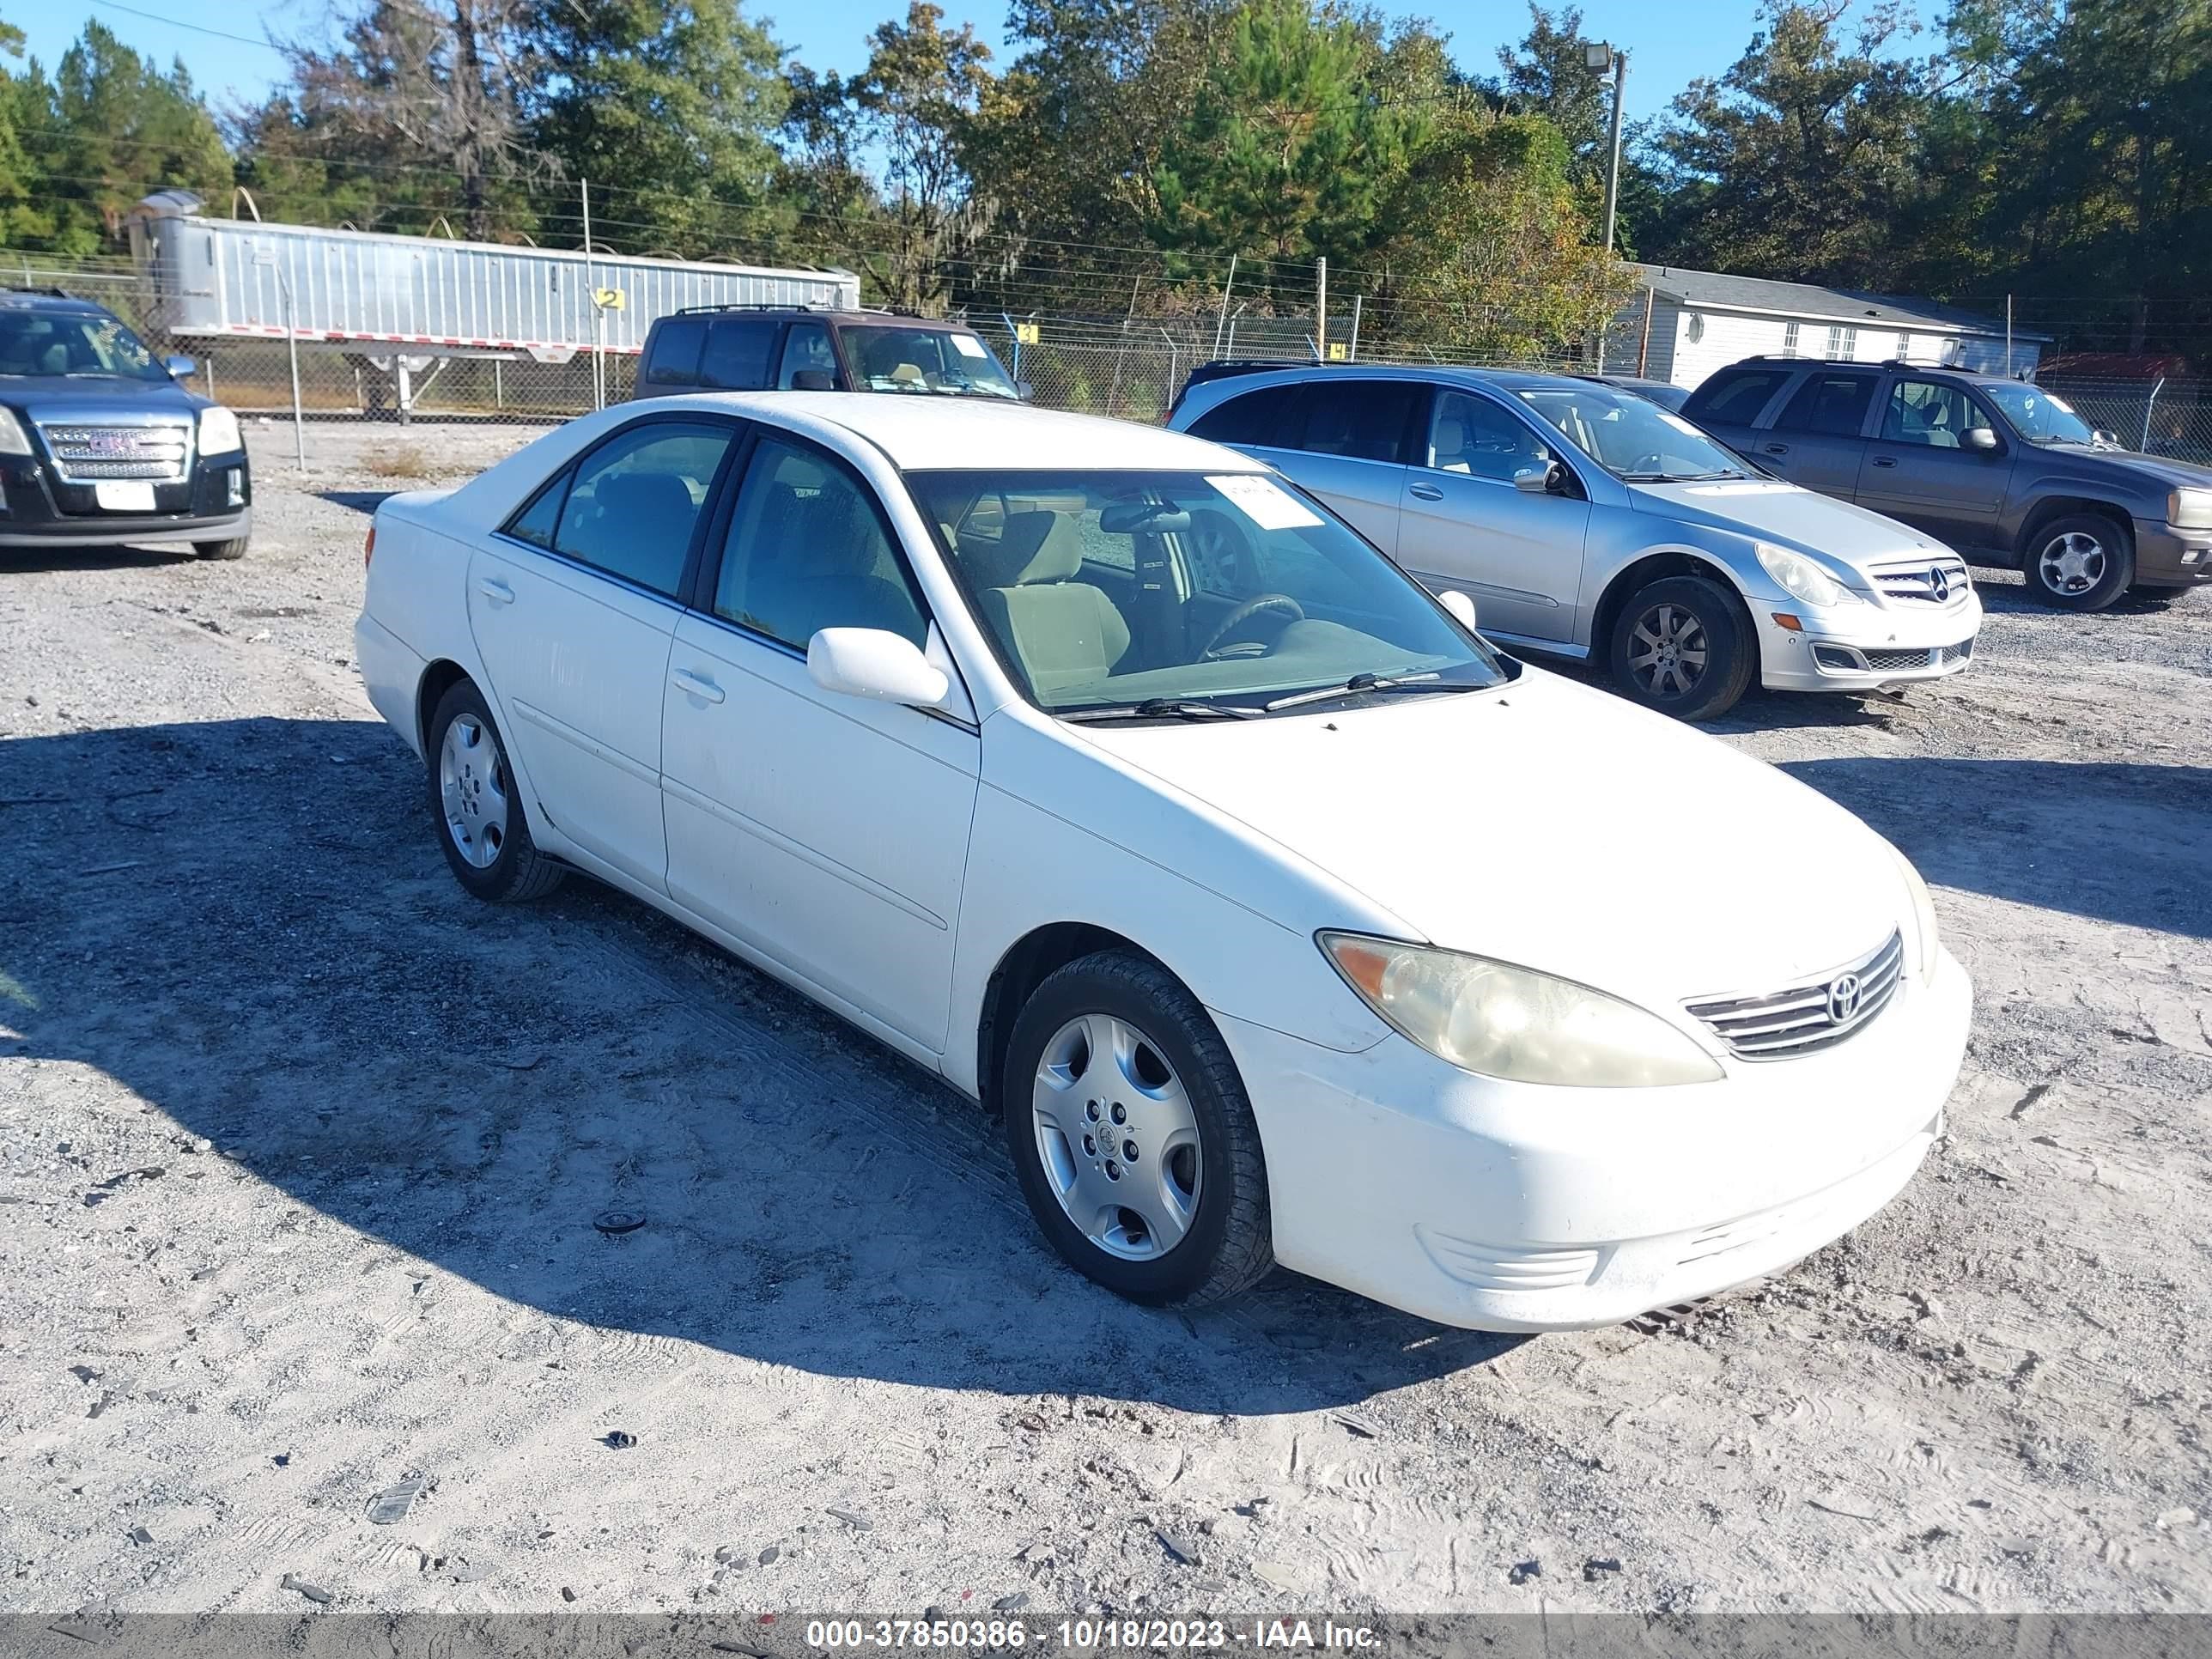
(1278, 917)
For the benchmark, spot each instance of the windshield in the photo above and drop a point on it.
(1631, 437)
(73, 345)
(891, 359)
(1105, 591)
(2038, 416)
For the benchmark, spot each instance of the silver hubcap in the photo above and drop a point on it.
(1667, 650)
(472, 789)
(2072, 564)
(1117, 1138)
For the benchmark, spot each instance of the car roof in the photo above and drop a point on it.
(847, 314)
(54, 300)
(936, 433)
(1504, 379)
(1796, 362)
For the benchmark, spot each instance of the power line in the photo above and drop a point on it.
(196, 28)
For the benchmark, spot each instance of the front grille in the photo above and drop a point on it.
(1806, 1018)
(87, 454)
(1940, 579)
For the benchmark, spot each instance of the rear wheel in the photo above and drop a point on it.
(1133, 1136)
(2082, 561)
(233, 549)
(477, 807)
(1682, 645)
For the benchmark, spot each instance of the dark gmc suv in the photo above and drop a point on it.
(799, 348)
(1996, 467)
(99, 443)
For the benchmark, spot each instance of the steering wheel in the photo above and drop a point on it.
(1655, 462)
(1290, 608)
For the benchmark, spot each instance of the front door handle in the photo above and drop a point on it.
(495, 590)
(698, 685)
(1426, 492)
(1778, 449)
(1885, 460)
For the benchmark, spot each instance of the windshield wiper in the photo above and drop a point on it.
(1360, 685)
(1185, 708)
(1681, 478)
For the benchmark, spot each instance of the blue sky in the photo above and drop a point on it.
(1667, 45)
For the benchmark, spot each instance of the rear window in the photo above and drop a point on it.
(675, 355)
(1735, 396)
(738, 353)
(1253, 417)
(1830, 405)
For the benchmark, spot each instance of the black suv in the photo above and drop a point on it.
(99, 443)
(1996, 467)
(800, 349)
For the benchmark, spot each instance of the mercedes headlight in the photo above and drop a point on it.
(1802, 579)
(2189, 509)
(14, 441)
(219, 431)
(1924, 916)
(1502, 1021)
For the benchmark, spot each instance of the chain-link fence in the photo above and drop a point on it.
(2160, 416)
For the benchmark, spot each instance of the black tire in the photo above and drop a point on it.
(233, 549)
(516, 871)
(1717, 632)
(1229, 1245)
(2052, 570)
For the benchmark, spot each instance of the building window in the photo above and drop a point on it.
(1790, 339)
(1904, 346)
(1835, 342)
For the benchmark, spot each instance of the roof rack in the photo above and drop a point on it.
(808, 305)
(47, 292)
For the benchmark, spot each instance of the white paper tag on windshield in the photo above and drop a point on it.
(968, 346)
(1264, 501)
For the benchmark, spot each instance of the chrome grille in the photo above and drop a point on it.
(1806, 1018)
(87, 454)
(1941, 656)
(1940, 578)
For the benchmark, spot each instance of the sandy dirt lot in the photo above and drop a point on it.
(300, 1150)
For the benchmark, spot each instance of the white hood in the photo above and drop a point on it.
(1802, 520)
(1556, 827)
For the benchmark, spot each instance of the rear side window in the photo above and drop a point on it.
(1832, 405)
(535, 524)
(1735, 396)
(635, 499)
(737, 356)
(1365, 420)
(675, 355)
(1255, 418)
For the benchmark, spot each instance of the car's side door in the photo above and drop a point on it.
(1819, 439)
(1517, 553)
(573, 605)
(828, 832)
(1345, 439)
(1923, 465)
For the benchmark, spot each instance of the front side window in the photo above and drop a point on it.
(1734, 396)
(808, 550)
(737, 354)
(807, 347)
(1473, 435)
(2040, 416)
(635, 499)
(1246, 592)
(1929, 413)
(1631, 437)
(1830, 405)
(887, 358)
(73, 346)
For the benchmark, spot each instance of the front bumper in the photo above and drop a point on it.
(38, 508)
(2166, 557)
(1865, 647)
(1513, 1207)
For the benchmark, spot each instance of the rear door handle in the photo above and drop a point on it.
(1778, 449)
(698, 685)
(1426, 492)
(497, 592)
(1885, 460)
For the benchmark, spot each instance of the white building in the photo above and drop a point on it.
(1683, 324)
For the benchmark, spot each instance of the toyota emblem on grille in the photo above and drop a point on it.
(1939, 584)
(1842, 999)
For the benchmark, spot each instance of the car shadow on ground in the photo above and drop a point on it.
(2121, 842)
(358, 500)
(248, 924)
(103, 557)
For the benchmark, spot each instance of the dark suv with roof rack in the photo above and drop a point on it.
(1998, 467)
(99, 442)
(802, 348)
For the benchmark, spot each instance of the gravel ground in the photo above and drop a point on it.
(299, 1152)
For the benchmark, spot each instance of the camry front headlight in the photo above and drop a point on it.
(2189, 509)
(14, 441)
(1923, 915)
(219, 431)
(1801, 578)
(1502, 1021)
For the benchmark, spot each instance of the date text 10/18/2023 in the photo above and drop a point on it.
(1090, 1635)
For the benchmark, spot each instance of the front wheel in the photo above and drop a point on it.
(477, 807)
(1132, 1136)
(1682, 645)
(2082, 561)
(233, 549)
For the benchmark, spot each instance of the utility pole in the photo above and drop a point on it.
(590, 294)
(1321, 307)
(1221, 321)
(1599, 56)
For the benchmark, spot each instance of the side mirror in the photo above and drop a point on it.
(814, 380)
(1025, 392)
(181, 366)
(1546, 480)
(2104, 436)
(1461, 606)
(873, 662)
(1981, 438)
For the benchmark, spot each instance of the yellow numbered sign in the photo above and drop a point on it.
(608, 299)
(1336, 351)
(1026, 333)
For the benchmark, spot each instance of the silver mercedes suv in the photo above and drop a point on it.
(1587, 522)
